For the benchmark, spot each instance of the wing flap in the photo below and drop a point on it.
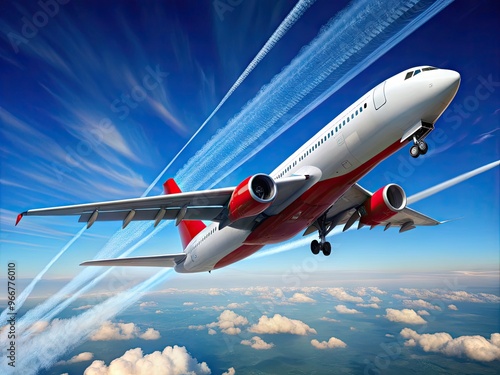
(146, 261)
(199, 205)
(192, 213)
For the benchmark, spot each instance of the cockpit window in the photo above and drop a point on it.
(414, 73)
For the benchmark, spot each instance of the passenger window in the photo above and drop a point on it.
(365, 105)
(356, 112)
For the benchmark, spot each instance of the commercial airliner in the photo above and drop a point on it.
(314, 190)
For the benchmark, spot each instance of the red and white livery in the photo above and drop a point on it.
(314, 190)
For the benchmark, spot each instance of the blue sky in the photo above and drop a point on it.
(102, 98)
(96, 99)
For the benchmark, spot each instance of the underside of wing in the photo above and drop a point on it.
(352, 207)
(199, 205)
(146, 261)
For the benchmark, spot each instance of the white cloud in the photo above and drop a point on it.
(372, 305)
(148, 304)
(235, 305)
(214, 292)
(326, 319)
(257, 343)
(404, 316)
(158, 312)
(375, 300)
(452, 307)
(230, 371)
(389, 335)
(122, 331)
(150, 334)
(376, 290)
(82, 357)
(420, 303)
(212, 331)
(423, 313)
(229, 322)
(332, 343)
(85, 307)
(172, 360)
(343, 309)
(301, 298)
(281, 324)
(473, 347)
(459, 295)
(342, 295)
(188, 304)
(197, 328)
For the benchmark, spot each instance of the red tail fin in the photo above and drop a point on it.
(188, 229)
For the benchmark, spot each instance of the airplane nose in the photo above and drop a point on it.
(447, 83)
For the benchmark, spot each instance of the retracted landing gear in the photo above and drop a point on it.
(323, 230)
(419, 148)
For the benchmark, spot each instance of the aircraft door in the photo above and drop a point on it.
(379, 98)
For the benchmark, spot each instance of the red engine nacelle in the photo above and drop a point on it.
(252, 196)
(383, 204)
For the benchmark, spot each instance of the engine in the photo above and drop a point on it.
(383, 204)
(251, 197)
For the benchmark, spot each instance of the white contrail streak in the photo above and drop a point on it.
(447, 184)
(136, 230)
(341, 46)
(42, 351)
(27, 291)
(287, 23)
(350, 42)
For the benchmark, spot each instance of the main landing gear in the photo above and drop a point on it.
(418, 148)
(322, 244)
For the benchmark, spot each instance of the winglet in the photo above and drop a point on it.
(19, 217)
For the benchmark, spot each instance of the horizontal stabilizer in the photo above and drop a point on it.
(147, 261)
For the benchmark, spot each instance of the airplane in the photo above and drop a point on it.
(313, 190)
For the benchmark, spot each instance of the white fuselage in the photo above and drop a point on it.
(362, 132)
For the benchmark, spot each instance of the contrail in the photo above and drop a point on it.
(350, 42)
(447, 184)
(27, 291)
(287, 23)
(358, 31)
(41, 351)
(110, 249)
(323, 60)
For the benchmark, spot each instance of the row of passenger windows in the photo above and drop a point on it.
(214, 229)
(323, 139)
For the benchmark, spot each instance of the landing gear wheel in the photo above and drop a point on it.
(315, 247)
(327, 248)
(422, 147)
(414, 151)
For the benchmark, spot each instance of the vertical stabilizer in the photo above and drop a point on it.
(188, 229)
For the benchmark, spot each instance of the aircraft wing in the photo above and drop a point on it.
(347, 205)
(199, 205)
(146, 261)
